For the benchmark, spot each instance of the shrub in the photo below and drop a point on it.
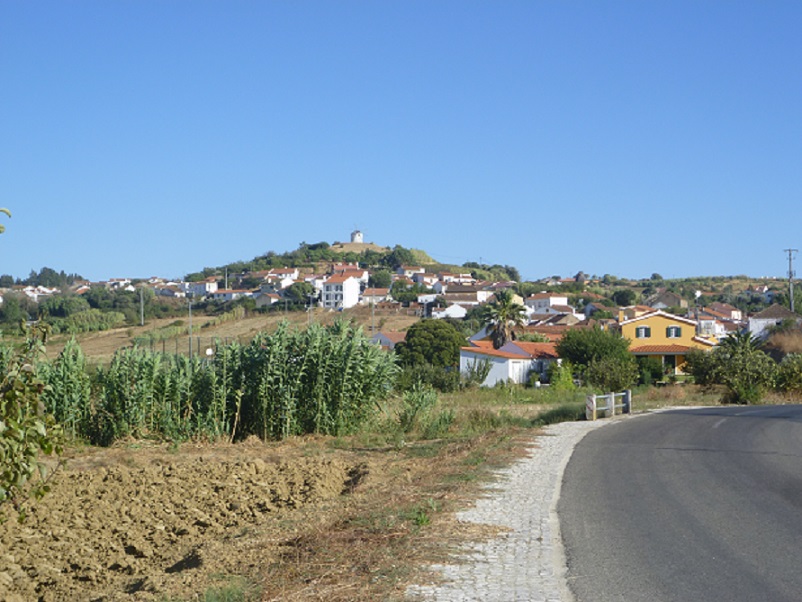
(441, 378)
(415, 403)
(789, 374)
(746, 375)
(26, 430)
(476, 372)
(612, 373)
(702, 366)
(650, 369)
(561, 376)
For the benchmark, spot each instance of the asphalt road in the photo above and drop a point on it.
(700, 505)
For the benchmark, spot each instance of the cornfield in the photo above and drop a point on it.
(325, 380)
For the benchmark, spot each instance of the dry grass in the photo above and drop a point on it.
(100, 347)
(382, 541)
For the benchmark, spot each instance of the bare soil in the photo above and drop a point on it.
(298, 520)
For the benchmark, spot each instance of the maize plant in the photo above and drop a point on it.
(321, 380)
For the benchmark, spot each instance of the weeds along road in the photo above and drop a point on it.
(687, 505)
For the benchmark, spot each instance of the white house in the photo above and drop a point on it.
(36, 293)
(425, 279)
(388, 339)
(773, 315)
(266, 299)
(371, 296)
(449, 278)
(230, 294)
(452, 311)
(514, 363)
(340, 292)
(543, 303)
(202, 288)
(284, 273)
(409, 270)
(171, 291)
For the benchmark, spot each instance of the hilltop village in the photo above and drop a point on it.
(662, 319)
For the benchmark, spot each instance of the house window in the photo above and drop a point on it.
(643, 332)
(674, 332)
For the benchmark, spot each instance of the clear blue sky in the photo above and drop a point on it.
(143, 138)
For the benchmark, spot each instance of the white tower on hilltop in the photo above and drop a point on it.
(356, 236)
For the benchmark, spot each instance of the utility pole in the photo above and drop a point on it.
(190, 328)
(791, 275)
(141, 308)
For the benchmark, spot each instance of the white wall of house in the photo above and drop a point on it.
(452, 311)
(541, 304)
(340, 293)
(501, 369)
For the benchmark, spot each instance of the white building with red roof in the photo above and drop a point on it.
(340, 292)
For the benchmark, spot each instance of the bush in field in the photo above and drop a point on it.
(26, 430)
(476, 372)
(738, 364)
(650, 369)
(583, 346)
(416, 403)
(90, 320)
(434, 342)
(612, 373)
(444, 379)
(746, 376)
(702, 366)
(561, 376)
(789, 374)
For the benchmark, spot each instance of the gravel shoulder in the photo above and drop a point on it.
(525, 561)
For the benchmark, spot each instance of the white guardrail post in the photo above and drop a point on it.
(590, 407)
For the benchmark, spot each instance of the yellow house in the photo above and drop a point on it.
(665, 336)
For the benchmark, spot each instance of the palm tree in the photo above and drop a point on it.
(501, 316)
(8, 213)
(740, 342)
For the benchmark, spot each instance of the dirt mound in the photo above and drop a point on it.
(147, 524)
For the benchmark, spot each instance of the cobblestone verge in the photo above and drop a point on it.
(524, 563)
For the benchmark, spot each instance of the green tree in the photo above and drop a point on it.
(380, 279)
(434, 342)
(601, 357)
(743, 368)
(12, 310)
(738, 364)
(501, 316)
(397, 257)
(624, 296)
(581, 346)
(63, 306)
(612, 373)
(299, 292)
(701, 365)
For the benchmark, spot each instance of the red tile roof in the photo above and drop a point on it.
(660, 349)
(494, 353)
(537, 350)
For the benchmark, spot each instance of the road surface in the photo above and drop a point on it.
(687, 505)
